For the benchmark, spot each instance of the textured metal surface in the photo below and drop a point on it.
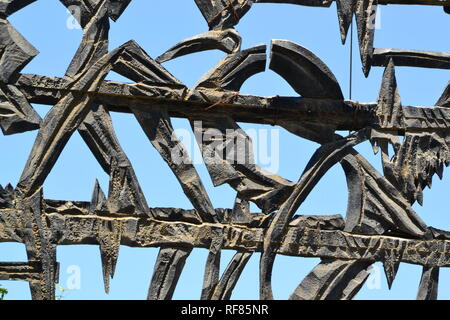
(380, 224)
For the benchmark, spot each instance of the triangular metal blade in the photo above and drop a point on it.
(391, 264)
(389, 108)
(109, 237)
(345, 9)
(17, 115)
(365, 19)
(98, 202)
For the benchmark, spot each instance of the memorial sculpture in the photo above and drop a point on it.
(380, 224)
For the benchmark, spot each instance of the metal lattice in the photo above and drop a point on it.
(380, 224)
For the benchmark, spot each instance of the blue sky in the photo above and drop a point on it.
(157, 25)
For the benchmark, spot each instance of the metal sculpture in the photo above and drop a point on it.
(380, 224)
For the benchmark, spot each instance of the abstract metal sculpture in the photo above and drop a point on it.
(380, 224)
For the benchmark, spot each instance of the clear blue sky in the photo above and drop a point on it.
(157, 25)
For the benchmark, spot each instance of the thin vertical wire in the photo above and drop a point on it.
(351, 61)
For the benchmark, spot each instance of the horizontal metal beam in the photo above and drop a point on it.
(412, 58)
(417, 2)
(307, 236)
(20, 271)
(327, 3)
(198, 105)
(201, 104)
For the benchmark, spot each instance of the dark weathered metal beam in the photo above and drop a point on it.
(417, 2)
(416, 58)
(201, 104)
(313, 236)
(327, 3)
(22, 271)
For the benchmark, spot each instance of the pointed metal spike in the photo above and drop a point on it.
(440, 170)
(98, 202)
(390, 110)
(365, 18)
(16, 51)
(7, 196)
(109, 238)
(419, 197)
(389, 78)
(345, 9)
(3, 198)
(107, 273)
(9, 188)
(391, 265)
(106, 278)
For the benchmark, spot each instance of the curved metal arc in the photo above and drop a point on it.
(307, 74)
(233, 70)
(228, 41)
(322, 160)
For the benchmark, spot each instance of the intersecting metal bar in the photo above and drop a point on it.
(185, 103)
(24, 271)
(300, 240)
(380, 224)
